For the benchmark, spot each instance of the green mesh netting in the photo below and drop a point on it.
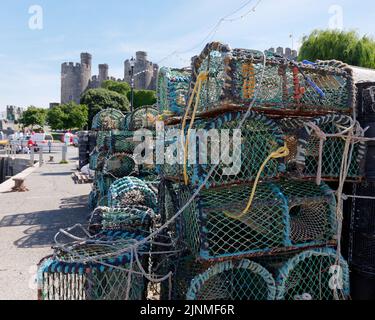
(172, 89)
(131, 191)
(119, 165)
(304, 145)
(97, 160)
(122, 141)
(260, 137)
(233, 280)
(236, 75)
(107, 120)
(314, 275)
(103, 140)
(75, 275)
(283, 216)
(132, 218)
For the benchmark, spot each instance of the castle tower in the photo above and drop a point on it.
(103, 72)
(86, 63)
(70, 82)
(145, 78)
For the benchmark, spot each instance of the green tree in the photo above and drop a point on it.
(143, 98)
(345, 46)
(68, 116)
(56, 118)
(34, 117)
(99, 99)
(119, 87)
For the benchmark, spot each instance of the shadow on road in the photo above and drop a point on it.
(45, 224)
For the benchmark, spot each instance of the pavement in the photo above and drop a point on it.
(29, 221)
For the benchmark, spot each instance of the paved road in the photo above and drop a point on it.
(29, 221)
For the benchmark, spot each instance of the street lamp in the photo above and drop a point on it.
(132, 65)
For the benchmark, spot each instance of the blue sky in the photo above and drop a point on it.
(113, 30)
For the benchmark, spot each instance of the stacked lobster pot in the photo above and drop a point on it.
(109, 259)
(265, 139)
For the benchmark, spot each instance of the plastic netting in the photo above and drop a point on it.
(133, 218)
(75, 275)
(142, 118)
(283, 216)
(172, 89)
(107, 120)
(103, 140)
(119, 165)
(239, 154)
(131, 191)
(104, 183)
(305, 145)
(122, 141)
(97, 160)
(314, 275)
(235, 75)
(233, 280)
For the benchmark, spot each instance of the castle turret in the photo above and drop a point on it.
(103, 72)
(70, 82)
(86, 64)
(144, 71)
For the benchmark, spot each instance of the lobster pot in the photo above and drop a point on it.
(131, 191)
(103, 140)
(172, 89)
(107, 120)
(283, 216)
(97, 160)
(119, 165)
(104, 183)
(233, 280)
(130, 219)
(142, 118)
(116, 278)
(366, 100)
(239, 153)
(304, 144)
(320, 274)
(122, 142)
(234, 76)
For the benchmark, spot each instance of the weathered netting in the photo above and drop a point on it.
(92, 271)
(103, 140)
(304, 143)
(132, 218)
(97, 160)
(283, 216)
(172, 89)
(107, 120)
(235, 75)
(310, 275)
(119, 165)
(260, 137)
(131, 191)
(122, 141)
(104, 183)
(142, 118)
(233, 280)
(257, 139)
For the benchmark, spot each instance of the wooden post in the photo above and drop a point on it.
(32, 156)
(64, 153)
